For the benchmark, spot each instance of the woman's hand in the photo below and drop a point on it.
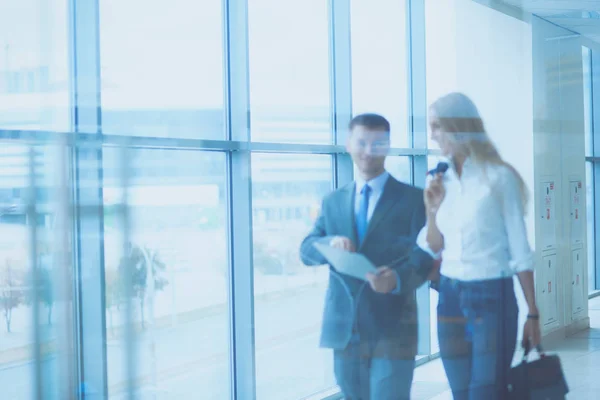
(531, 330)
(434, 194)
(532, 336)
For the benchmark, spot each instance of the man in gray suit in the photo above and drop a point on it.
(372, 324)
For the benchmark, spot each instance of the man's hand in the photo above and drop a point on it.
(344, 243)
(383, 281)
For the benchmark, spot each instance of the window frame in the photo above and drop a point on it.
(85, 143)
(594, 160)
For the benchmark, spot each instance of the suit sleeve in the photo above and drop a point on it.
(414, 267)
(398, 247)
(412, 270)
(309, 255)
(418, 219)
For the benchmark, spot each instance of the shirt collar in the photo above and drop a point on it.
(376, 184)
(468, 163)
(468, 166)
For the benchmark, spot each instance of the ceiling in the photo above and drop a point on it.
(581, 16)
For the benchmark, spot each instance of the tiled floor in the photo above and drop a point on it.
(580, 356)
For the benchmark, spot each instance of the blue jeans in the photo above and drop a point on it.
(366, 378)
(477, 331)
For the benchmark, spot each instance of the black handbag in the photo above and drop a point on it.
(542, 379)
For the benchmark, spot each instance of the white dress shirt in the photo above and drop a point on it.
(376, 184)
(482, 221)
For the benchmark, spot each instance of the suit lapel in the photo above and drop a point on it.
(346, 214)
(390, 196)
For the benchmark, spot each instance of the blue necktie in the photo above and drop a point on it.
(363, 209)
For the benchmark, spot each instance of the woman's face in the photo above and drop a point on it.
(441, 137)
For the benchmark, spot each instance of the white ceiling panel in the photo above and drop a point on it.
(587, 27)
(555, 6)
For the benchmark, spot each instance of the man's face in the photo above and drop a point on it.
(368, 148)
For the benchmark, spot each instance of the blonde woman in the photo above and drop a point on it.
(475, 223)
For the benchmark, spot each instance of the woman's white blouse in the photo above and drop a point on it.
(482, 221)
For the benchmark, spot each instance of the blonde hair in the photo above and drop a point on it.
(459, 118)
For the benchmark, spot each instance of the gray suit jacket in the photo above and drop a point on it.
(385, 323)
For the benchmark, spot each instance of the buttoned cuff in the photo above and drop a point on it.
(422, 243)
(524, 264)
